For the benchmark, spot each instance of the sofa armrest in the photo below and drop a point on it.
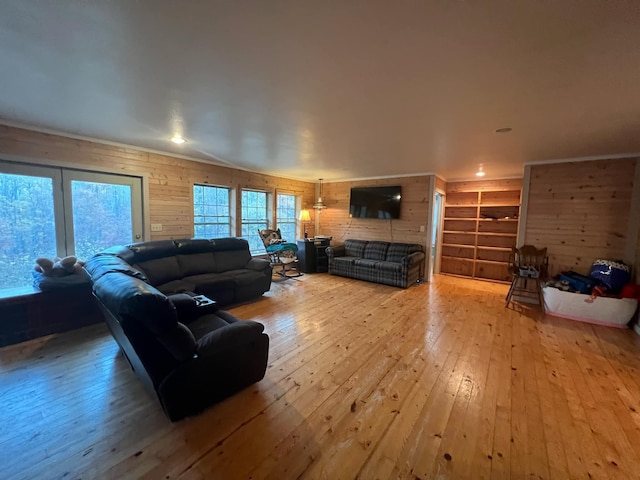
(412, 259)
(180, 343)
(229, 337)
(337, 251)
(188, 309)
(258, 264)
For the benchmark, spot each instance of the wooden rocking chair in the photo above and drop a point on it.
(281, 253)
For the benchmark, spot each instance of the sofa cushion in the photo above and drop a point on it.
(134, 300)
(345, 260)
(206, 324)
(190, 246)
(101, 264)
(376, 250)
(389, 266)
(196, 263)
(216, 286)
(177, 286)
(144, 251)
(366, 263)
(180, 343)
(230, 337)
(160, 270)
(397, 251)
(354, 248)
(231, 260)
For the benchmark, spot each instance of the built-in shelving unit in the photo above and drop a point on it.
(480, 228)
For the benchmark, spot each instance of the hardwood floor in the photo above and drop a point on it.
(364, 381)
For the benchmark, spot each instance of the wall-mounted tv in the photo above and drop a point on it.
(375, 202)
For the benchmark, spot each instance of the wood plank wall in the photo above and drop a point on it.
(441, 185)
(414, 212)
(580, 211)
(170, 179)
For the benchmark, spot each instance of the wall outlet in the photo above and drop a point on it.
(422, 228)
(156, 227)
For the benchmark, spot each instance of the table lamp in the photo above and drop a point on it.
(305, 217)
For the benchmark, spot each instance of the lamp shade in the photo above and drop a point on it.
(304, 216)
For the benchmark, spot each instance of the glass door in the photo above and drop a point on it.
(105, 209)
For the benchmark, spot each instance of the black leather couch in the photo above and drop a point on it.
(188, 355)
(221, 268)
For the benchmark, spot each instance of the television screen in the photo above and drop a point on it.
(375, 202)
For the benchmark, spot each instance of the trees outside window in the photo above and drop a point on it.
(49, 212)
(255, 217)
(286, 216)
(211, 211)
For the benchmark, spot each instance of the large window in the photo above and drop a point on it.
(211, 211)
(255, 217)
(48, 212)
(286, 216)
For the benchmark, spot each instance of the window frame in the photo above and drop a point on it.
(296, 212)
(231, 206)
(268, 218)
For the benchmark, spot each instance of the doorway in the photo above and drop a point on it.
(434, 263)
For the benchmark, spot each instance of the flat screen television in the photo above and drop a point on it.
(375, 202)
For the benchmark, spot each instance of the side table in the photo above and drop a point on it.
(312, 255)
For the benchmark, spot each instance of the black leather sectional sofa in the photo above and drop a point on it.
(188, 353)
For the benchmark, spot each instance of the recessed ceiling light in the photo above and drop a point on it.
(178, 139)
(479, 173)
(504, 130)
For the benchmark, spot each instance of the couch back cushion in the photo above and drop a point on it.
(160, 270)
(376, 250)
(101, 264)
(397, 251)
(144, 251)
(354, 248)
(133, 300)
(231, 260)
(196, 263)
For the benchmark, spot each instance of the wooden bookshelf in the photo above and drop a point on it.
(480, 228)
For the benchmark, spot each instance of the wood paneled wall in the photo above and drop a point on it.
(170, 179)
(414, 212)
(580, 211)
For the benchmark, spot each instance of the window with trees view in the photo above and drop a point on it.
(211, 211)
(286, 216)
(49, 212)
(255, 217)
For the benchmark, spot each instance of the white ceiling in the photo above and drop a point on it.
(332, 89)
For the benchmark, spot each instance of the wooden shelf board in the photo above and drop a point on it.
(500, 249)
(465, 232)
(499, 205)
(459, 245)
(461, 218)
(492, 261)
(491, 234)
(494, 219)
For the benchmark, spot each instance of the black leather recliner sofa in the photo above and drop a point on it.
(187, 354)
